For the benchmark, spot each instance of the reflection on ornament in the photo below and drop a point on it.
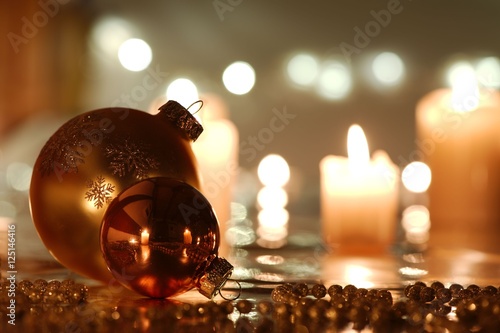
(92, 158)
(145, 237)
(165, 214)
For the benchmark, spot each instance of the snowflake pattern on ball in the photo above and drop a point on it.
(129, 156)
(99, 191)
(65, 149)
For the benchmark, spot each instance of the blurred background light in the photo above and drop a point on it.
(19, 176)
(273, 170)
(183, 91)
(388, 68)
(456, 69)
(135, 54)
(416, 177)
(273, 218)
(488, 72)
(416, 219)
(109, 32)
(302, 69)
(239, 78)
(334, 80)
(272, 196)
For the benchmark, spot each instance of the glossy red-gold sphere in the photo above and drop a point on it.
(158, 236)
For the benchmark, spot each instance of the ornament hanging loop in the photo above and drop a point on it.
(233, 298)
(199, 108)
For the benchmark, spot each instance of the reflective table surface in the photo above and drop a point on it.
(247, 302)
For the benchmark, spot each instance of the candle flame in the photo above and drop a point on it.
(357, 147)
(464, 89)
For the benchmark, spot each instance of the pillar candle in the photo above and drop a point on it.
(359, 197)
(459, 138)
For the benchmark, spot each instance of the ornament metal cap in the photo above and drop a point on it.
(181, 118)
(214, 277)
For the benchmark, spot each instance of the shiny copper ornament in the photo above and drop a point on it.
(92, 158)
(160, 237)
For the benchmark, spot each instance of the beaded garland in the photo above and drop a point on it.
(53, 306)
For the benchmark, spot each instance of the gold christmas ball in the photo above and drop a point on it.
(89, 160)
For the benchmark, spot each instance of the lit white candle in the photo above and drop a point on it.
(458, 138)
(359, 196)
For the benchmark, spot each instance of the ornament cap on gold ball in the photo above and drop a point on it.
(182, 119)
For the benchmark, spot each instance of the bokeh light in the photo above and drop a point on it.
(135, 54)
(273, 218)
(416, 177)
(416, 224)
(109, 33)
(388, 68)
(239, 78)
(334, 80)
(183, 91)
(488, 72)
(272, 196)
(302, 69)
(19, 176)
(273, 170)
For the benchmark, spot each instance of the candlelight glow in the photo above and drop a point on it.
(273, 170)
(358, 276)
(465, 89)
(357, 148)
(416, 177)
(183, 91)
(214, 147)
